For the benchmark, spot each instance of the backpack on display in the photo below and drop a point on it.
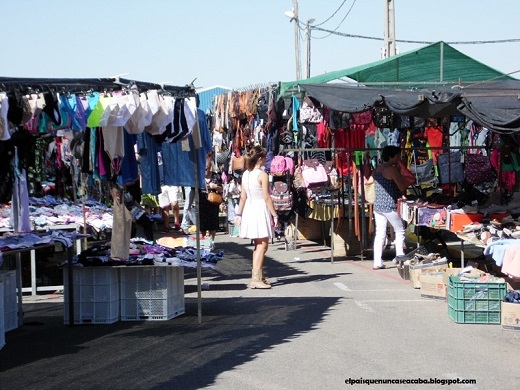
(281, 165)
(282, 196)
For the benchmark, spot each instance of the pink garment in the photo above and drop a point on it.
(511, 261)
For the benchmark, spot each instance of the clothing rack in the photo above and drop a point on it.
(86, 84)
(363, 236)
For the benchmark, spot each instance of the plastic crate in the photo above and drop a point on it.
(2, 327)
(152, 293)
(10, 301)
(96, 295)
(473, 302)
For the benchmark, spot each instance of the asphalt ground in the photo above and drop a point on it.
(321, 324)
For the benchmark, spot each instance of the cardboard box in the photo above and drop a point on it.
(510, 317)
(432, 285)
(416, 271)
(311, 229)
(456, 221)
(454, 271)
(432, 288)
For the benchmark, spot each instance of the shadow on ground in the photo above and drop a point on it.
(180, 353)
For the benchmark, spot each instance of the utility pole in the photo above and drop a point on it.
(389, 49)
(297, 39)
(308, 40)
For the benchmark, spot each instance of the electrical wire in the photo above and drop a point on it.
(331, 16)
(411, 41)
(338, 26)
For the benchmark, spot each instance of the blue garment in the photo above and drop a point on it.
(178, 164)
(497, 249)
(295, 113)
(387, 194)
(148, 149)
(129, 171)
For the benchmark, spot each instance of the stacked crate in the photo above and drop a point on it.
(95, 294)
(151, 293)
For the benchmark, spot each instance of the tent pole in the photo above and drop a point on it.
(197, 232)
(441, 53)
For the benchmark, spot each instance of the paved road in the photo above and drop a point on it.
(319, 325)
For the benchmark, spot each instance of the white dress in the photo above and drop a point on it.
(256, 218)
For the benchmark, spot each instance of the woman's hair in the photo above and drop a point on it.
(253, 156)
(389, 152)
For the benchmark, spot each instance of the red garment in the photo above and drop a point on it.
(434, 135)
(323, 135)
(351, 138)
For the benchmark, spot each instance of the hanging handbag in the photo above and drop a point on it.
(362, 118)
(383, 117)
(214, 198)
(424, 171)
(450, 167)
(478, 169)
(314, 174)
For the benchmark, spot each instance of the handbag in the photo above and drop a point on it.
(478, 169)
(214, 198)
(314, 174)
(424, 171)
(362, 118)
(450, 167)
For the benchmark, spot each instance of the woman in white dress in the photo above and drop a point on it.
(256, 215)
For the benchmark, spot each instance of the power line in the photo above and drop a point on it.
(410, 41)
(340, 23)
(331, 16)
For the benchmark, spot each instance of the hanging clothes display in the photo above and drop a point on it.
(175, 156)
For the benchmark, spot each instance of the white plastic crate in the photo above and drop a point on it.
(2, 327)
(10, 300)
(95, 294)
(152, 293)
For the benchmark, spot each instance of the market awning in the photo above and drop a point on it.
(435, 63)
(494, 105)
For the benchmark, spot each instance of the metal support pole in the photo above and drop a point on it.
(19, 287)
(34, 290)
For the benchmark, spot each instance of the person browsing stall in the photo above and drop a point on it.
(389, 187)
(256, 215)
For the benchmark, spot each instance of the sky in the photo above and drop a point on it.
(235, 43)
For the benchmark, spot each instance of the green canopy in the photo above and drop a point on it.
(432, 64)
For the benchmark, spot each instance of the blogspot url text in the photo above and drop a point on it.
(416, 381)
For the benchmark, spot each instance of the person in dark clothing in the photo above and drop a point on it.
(140, 217)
